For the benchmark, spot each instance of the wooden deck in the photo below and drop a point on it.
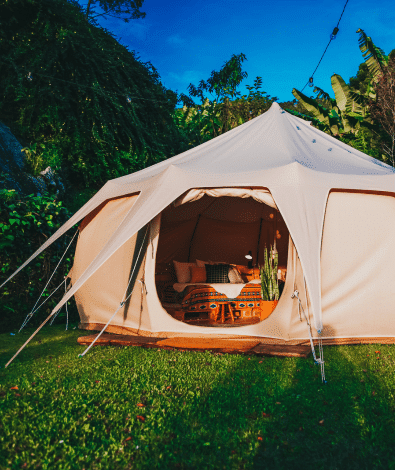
(251, 346)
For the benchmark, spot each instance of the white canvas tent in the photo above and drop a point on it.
(337, 204)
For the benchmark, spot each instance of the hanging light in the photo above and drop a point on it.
(334, 32)
(29, 76)
(249, 257)
(128, 99)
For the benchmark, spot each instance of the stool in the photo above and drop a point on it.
(223, 313)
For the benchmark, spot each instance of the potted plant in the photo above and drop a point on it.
(270, 291)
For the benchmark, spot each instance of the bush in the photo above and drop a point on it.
(25, 224)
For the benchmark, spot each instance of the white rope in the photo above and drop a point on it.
(121, 304)
(29, 315)
(67, 311)
(34, 309)
(319, 360)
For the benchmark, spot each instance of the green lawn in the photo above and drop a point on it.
(120, 408)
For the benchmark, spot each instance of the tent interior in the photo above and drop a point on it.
(221, 230)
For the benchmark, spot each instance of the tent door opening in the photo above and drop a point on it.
(215, 231)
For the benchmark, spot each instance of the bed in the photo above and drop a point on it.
(216, 302)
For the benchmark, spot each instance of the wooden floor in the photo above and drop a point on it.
(250, 346)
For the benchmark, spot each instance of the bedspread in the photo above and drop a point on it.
(207, 298)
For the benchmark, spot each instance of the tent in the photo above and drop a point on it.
(335, 207)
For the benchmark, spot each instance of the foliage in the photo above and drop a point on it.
(126, 9)
(375, 59)
(229, 109)
(139, 408)
(222, 83)
(348, 117)
(25, 224)
(76, 98)
(269, 276)
(383, 109)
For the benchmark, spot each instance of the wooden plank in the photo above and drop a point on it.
(118, 340)
(282, 350)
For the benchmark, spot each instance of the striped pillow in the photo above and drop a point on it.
(217, 273)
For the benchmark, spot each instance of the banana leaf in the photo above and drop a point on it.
(341, 91)
(319, 112)
(374, 57)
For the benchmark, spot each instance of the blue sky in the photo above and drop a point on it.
(283, 39)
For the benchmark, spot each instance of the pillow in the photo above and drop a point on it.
(234, 276)
(201, 264)
(217, 273)
(182, 271)
(243, 271)
(197, 274)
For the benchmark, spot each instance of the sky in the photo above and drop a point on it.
(283, 40)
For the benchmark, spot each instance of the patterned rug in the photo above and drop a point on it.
(207, 298)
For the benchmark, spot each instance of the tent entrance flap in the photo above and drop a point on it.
(260, 195)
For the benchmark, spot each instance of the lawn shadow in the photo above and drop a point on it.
(347, 423)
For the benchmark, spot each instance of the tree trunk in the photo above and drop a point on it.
(87, 8)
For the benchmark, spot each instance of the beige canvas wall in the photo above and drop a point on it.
(358, 265)
(101, 295)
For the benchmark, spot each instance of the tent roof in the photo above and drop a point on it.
(271, 140)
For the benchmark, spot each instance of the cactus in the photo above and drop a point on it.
(269, 279)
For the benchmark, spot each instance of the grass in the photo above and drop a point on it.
(121, 408)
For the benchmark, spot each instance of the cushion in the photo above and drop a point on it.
(197, 274)
(201, 264)
(243, 270)
(182, 271)
(217, 273)
(234, 276)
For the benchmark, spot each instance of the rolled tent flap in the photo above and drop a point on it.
(260, 195)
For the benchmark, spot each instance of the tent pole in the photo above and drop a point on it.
(259, 239)
(194, 230)
(193, 234)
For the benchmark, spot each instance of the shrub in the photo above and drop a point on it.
(25, 224)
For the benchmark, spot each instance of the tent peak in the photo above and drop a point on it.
(275, 105)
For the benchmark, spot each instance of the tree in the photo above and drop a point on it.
(227, 110)
(127, 9)
(382, 108)
(77, 99)
(223, 84)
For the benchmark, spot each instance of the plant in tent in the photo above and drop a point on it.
(269, 280)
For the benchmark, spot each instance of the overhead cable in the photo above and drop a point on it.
(332, 37)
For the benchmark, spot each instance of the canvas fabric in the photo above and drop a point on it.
(300, 166)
